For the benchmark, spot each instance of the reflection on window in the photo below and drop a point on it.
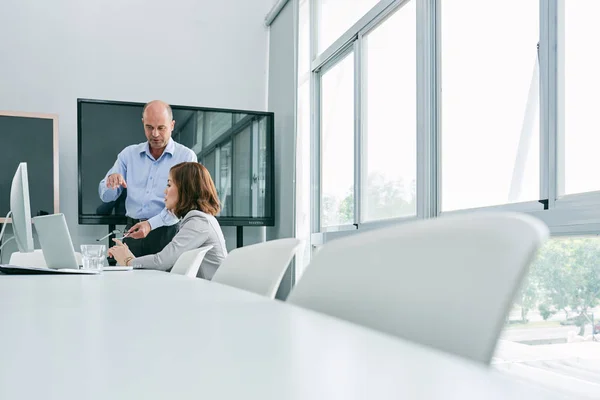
(389, 138)
(549, 329)
(238, 117)
(242, 172)
(199, 131)
(238, 165)
(337, 144)
(217, 123)
(490, 103)
(210, 162)
(259, 177)
(581, 88)
(337, 16)
(224, 185)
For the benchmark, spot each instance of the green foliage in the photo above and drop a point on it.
(383, 199)
(565, 277)
(545, 311)
(528, 298)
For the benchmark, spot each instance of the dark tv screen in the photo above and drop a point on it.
(236, 146)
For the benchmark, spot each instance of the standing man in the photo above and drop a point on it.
(143, 169)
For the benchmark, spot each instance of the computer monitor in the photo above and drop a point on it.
(21, 210)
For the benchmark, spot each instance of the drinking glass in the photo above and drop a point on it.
(93, 256)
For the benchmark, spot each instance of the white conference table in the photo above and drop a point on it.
(151, 335)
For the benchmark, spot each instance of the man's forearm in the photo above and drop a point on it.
(165, 218)
(106, 194)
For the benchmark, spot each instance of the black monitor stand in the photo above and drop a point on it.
(111, 227)
(240, 236)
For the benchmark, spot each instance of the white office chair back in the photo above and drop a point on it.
(258, 268)
(446, 282)
(189, 262)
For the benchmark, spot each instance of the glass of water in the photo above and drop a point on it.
(93, 256)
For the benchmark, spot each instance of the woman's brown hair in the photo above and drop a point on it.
(195, 188)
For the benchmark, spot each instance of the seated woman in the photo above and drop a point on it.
(192, 197)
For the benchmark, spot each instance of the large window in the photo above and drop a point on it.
(389, 153)
(580, 56)
(336, 16)
(548, 334)
(465, 104)
(490, 103)
(337, 144)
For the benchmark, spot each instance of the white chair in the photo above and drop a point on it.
(189, 262)
(258, 268)
(33, 259)
(446, 282)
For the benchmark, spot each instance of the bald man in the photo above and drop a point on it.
(143, 169)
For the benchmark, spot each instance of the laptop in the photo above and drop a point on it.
(55, 240)
(57, 249)
(57, 246)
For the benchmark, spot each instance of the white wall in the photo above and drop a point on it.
(192, 52)
(282, 92)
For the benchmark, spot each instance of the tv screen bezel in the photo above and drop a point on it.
(94, 219)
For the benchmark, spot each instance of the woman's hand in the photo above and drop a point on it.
(139, 230)
(121, 252)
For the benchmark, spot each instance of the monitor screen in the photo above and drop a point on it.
(236, 146)
(21, 210)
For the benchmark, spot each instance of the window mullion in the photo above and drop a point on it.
(358, 140)
(428, 106)
(551, 159)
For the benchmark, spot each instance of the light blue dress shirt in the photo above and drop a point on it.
(146, 179)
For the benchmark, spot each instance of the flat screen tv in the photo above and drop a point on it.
(236, 146)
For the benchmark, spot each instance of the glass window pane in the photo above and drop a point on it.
(261, 178)
(303, 37)
(216, 124)
(337, 16)
(337, 144)
(210, 164)
(199, 131)
(237, 117)
(224, 184)
(581, 88)
(241, 173)
(389, 140)
(549, 329)
(490, 103)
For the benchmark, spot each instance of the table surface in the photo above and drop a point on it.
(152, 335)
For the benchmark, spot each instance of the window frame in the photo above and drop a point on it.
(351, 41)
(566, 215)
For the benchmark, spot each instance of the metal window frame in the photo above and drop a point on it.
(316, 159)
(359, 86)
(428, 109)
(547, 134)
(320, 59)
(549, 186)
(572, 214)
(351, 41)
(361, 132)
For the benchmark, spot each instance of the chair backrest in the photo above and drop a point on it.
(31, 259)
(258, 268)
(189, 262)
(446, 282)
